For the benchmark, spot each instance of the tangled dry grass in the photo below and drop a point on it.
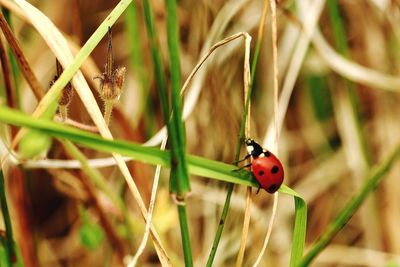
(341, 120)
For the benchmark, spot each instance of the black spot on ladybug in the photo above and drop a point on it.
(267, 153)
(261, 173)
(272, 188)
(274, 169)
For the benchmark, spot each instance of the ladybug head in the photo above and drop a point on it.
(253, 148)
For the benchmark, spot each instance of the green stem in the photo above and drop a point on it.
(187, 251)
(372, 181)
(157, 62)
(7, 221)
(221, 225)
(180, 182)
(179, 178)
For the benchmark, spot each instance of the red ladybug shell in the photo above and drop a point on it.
(268, 171)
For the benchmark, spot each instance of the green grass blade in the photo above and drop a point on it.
(181, 185)
(179, 177)
(156, 58)
(4, 258)
(196, 165)
(300, 226)
(374, 178)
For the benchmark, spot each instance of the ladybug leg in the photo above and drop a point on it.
(245, 166)
(258, 190)
(241, 160)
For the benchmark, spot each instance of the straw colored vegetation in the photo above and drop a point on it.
(122, 151)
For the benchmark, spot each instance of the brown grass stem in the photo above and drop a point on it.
(21, 59)
(7, 76)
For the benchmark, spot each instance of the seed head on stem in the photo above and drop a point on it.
(111, 81)
(66, 94)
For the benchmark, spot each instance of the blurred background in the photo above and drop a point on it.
(342, 119)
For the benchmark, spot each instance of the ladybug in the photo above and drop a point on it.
(265, 166)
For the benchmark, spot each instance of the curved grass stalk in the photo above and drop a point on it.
(269, 231)
(352, 70)
(247, 94)
(245, 228)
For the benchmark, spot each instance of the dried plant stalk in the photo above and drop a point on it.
(5, 65)
(22, 61)
(276, 128)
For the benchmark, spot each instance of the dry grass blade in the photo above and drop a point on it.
(276, 128)
(60, 48)
(351, 70)
(269, 231)
(276, 72)
(309, 24)
(6, 68)
(77, 124)
(142, 245)
(246, 77)
(247, 211)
